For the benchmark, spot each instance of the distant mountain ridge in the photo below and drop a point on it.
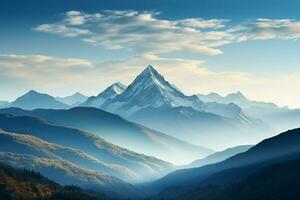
(237, 98)
(33, 100)
(73, 100)
(219, 156)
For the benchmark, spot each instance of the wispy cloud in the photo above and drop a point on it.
(62, 30)
(40, 69)
(265, 29)
(145, 32)
(140, 31)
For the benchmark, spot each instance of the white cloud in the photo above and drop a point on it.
(202, 24)
(145, 32)
(142, 32)
(41, 70)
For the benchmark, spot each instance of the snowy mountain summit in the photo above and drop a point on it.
(111, 92)
(149, 89)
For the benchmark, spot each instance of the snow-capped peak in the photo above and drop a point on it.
(149, 81)
(149, 71)
(113, 90)
(149, 89)
(110, 92)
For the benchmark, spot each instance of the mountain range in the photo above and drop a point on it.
(238, 98)
(154, 102)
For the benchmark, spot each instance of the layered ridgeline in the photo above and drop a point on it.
(280, 118)
(121, 132)
(73, 100)
(81, 148)
(219, 156)
(30, 145)
(154, 102)
(280, 148)
(66, 173)
(239, 99)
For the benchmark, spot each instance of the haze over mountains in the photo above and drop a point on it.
(154, 102)
(114, 128)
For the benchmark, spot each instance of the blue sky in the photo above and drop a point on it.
(64, 46)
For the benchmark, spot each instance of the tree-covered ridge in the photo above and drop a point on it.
(22, 184)
(278, 181)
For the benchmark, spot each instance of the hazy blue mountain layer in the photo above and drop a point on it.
(73, 100)
(32, 100)
(121, 132)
